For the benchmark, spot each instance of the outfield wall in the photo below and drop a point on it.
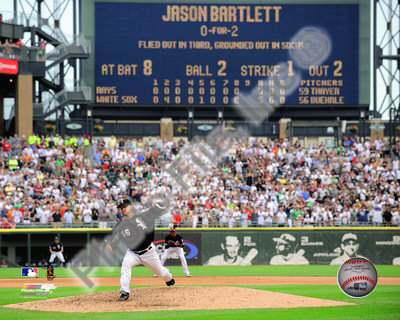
(237, 246)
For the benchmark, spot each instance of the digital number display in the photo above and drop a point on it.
(203, 54)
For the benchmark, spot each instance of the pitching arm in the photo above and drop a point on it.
(112, 238)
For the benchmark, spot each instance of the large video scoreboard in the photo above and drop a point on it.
(210, 54)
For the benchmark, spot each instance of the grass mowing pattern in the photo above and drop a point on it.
(382, 304)
(307, 271)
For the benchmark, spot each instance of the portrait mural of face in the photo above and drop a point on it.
(231, 246)
(286, 251)
(234, 250)
(349, 249)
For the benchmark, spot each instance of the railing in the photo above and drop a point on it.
(253, 224)
(77, 91)
(33, 20)
(74, 45)
(20, 18)
(21, 53)
(37, 109)
(12, 17)
(94, 224)
(81, 41)
(161, 224)
(70, 89)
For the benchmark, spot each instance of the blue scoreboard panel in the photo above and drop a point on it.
(204, 54)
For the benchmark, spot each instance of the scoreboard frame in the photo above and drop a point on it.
(364, 56)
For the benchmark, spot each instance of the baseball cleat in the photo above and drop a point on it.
(170, 283)
(124, 296)
(154, 275)
(188, 275)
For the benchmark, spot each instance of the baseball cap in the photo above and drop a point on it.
(285, 238)
(349, 236)
(123, 203)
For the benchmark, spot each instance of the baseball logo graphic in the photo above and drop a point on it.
(316, 47)
(357, 277)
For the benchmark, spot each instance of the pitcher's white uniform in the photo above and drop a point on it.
(136, 232)
(149, 259)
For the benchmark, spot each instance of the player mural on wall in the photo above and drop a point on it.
(349, 247)
(230, 255)
(287, 253)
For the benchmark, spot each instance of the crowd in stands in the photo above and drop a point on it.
(51, 181)
(11, 49)
(14, 49)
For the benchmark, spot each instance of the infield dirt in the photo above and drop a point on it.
(176, 298)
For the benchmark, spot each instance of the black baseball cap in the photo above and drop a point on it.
(124, 203)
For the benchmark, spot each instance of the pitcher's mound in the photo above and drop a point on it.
(176, 298)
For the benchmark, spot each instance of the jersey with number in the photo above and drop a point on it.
(170, 241)
(137, 232)
(56, 247)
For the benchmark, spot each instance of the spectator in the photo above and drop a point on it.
(256, 182)
(42, 50)
(362, 216)
(56, 219)
(177, 219)
(387, 216)
(87, 215)
(281, 217)
(68, 218)
(19, 43)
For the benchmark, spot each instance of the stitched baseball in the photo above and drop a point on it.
(357, 277)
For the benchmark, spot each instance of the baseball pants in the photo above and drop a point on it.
(181, 255)
(150, 260)
(59, 255)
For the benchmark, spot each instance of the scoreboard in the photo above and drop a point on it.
(209, 54)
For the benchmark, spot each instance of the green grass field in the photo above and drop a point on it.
(383, 303)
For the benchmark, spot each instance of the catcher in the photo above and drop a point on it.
(174, 243)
